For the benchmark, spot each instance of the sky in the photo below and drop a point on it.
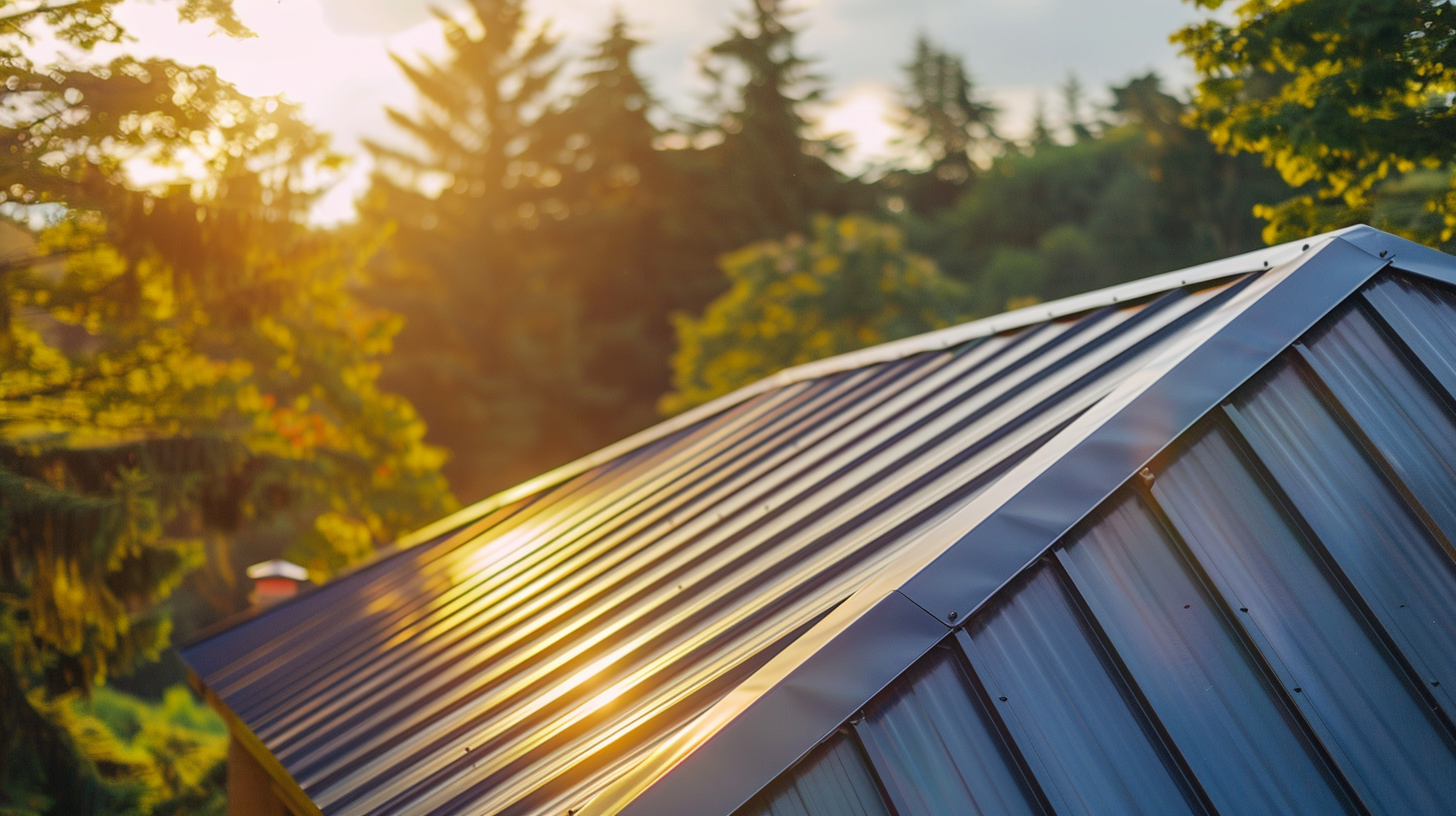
(332, 56)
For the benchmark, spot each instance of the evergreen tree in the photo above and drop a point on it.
(1074, 106)
(622, 252)
(946, 122)
(1041, 130)
(488, 350)
(770, 176)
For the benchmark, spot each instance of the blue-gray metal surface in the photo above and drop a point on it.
(685, 621)
(1240, 736)
(1260, 619)
(1372, 534)
(1310, 630)
(1113, 762)
(940, 750)
(959, 564)
(522, 663)
(835, 781)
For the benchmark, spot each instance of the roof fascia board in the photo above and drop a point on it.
(747, 739)
(1254, 261)
(283, 783)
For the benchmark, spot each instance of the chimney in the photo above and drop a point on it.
(275, 581)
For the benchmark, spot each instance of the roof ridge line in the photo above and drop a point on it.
(1253, 261)
(935, 583)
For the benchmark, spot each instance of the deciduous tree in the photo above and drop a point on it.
(183, 370)
(851, 283)
(1353, 98)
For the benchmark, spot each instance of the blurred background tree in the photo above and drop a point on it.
(187, 382)
(1351, 100)
(195, 379)
(545, 228)
(946, 123)
(850, 284)
(489, 353)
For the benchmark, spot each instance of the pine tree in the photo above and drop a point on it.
(1041, 130)
(771, 175)
(948, 123)
(1074, 104)
(487, 351)
(623, 251)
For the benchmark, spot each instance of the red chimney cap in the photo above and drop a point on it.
(278, 568)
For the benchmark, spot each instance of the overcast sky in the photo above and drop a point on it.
(332, 55)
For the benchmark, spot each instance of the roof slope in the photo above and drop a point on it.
(630, 618)
(1260, 621)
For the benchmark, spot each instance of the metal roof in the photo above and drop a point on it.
(665, 627)
(1261, 621)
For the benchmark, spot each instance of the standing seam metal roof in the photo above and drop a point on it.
(593, 632)
(1261, 621)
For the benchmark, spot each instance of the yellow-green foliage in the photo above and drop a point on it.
(851, 284)
(184, 368)
(1344, 96)
(145, 759)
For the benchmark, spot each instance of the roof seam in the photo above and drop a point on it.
(939, 340)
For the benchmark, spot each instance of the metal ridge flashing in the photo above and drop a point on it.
(965, 560)
(1254, 261)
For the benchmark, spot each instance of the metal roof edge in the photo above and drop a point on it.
(1254, 261)
(283, 782)
(962, 562)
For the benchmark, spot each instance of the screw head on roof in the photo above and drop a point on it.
(952, 616)
(1382, 252)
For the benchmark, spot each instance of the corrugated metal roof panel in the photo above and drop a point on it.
(940, 750)
(1311, 631)
(1260, 619)
(1234, 727)
(611, 627)
(1365, 527)
(512, 667)
(1069, 708)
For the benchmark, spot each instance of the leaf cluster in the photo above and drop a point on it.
(1345, 96)
(848, 285)
(187, 378)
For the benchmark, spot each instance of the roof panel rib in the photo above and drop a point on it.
(1257, 623)
(616, 627)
